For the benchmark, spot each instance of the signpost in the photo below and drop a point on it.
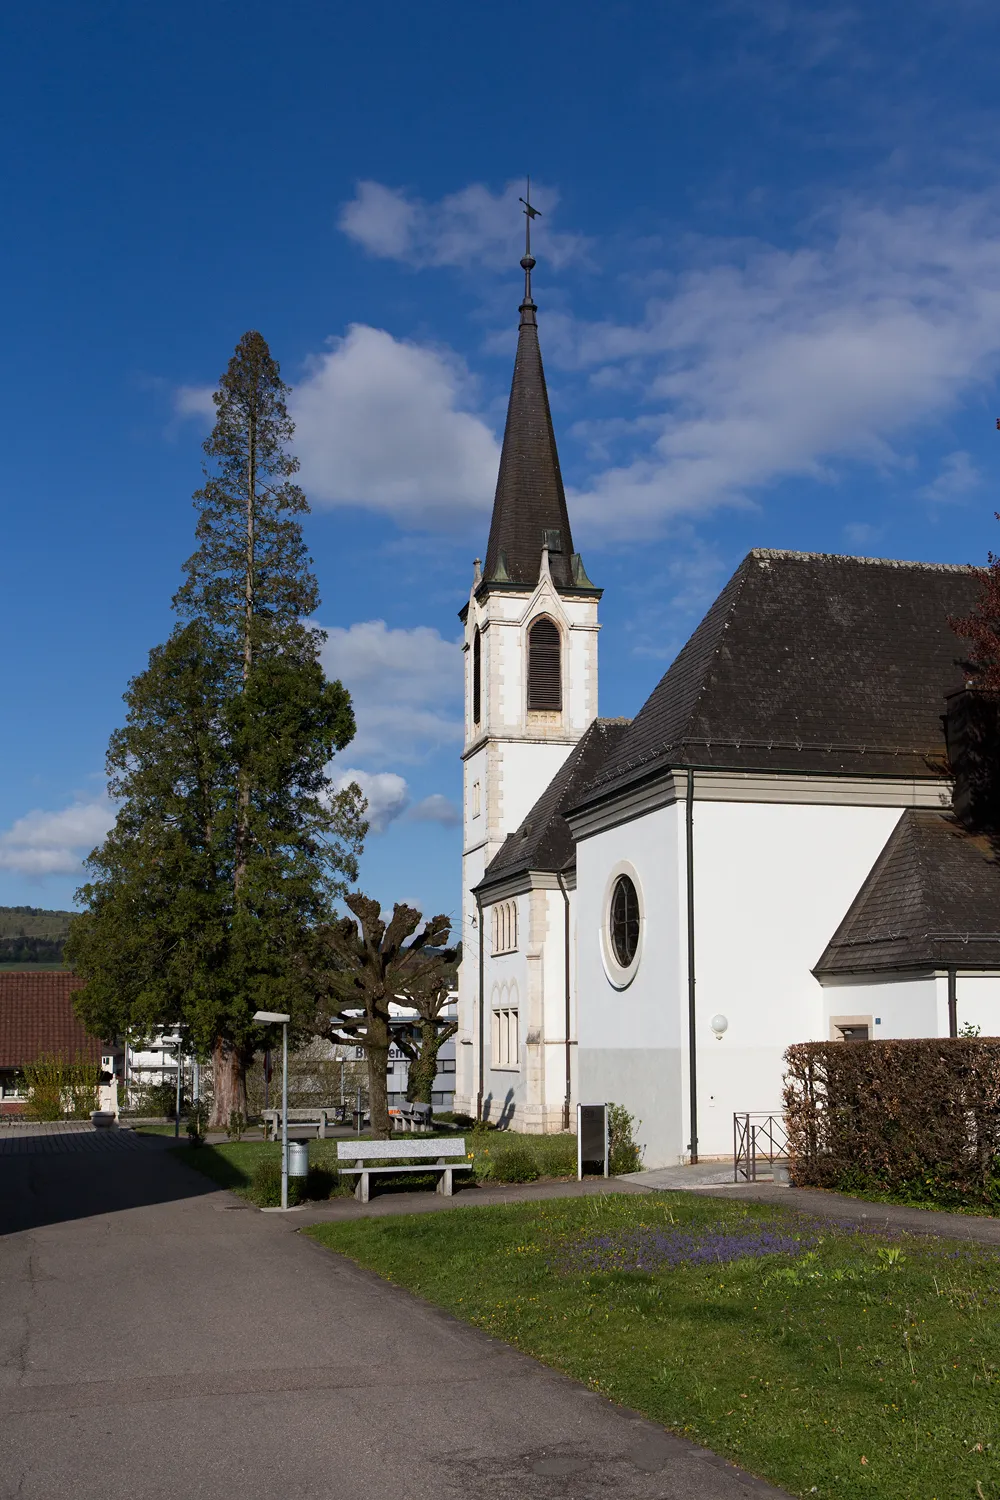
(591, 1137)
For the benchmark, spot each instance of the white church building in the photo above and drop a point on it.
(768, 853)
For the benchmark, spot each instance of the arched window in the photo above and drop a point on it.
(505, 927)
(477, 677)
(544, 666)
(624, 923)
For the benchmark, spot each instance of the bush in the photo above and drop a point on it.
(265, 1185)
(624, 1152)
(514, 1163)
(916, 1118)
(59, 1090)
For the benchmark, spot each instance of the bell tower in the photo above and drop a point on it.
(530, 651)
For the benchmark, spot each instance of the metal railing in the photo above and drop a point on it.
(757, 1138)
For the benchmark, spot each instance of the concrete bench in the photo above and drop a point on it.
(450, 1156)
(321, 1118)
(411, 1117)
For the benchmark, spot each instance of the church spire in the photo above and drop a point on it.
(529, 510)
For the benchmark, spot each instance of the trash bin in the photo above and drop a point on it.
(298, 1158)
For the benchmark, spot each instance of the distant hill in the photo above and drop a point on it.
(32, 937)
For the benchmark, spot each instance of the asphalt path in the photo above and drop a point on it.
(159, 1339)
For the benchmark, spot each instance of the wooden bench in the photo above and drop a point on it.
(321, 1118)
(402, 1156)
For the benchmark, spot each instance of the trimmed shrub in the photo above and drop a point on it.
(514, 1163)
(916, 1118)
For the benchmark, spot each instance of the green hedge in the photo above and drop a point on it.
(916, 1119)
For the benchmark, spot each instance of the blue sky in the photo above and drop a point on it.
(769, 302)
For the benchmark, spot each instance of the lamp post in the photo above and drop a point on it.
(275, 1018)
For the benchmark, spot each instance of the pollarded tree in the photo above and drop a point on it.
(431, 992)
(206, 895)
(367, 965)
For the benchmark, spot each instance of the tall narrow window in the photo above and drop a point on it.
(477, 678)
(544, 666)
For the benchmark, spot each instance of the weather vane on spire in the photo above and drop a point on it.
(527, 259)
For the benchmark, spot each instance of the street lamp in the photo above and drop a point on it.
(276, 1018)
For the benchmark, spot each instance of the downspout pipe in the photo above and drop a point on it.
(569, 1068)
(692, 1018)
(952, 1002)
(482, 959)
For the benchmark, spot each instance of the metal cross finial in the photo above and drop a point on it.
(527, 259)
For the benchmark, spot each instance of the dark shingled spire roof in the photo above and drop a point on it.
(932, 900)
(530, 503)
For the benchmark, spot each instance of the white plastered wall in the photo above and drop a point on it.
(772, 883)
(901, 1006)
(630, 1040)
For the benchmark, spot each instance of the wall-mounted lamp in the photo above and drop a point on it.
(719, 1027)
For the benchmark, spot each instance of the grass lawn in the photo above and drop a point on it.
(231, 1164)
(832, 1361)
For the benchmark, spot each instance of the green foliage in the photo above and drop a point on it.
(230, 843)
(514, 1163)
(59, 1089)
(796, 1367)
(624, 1152)
(197, 1122)
(29, 951)
(265, 1186)
(236, 1125)
(549, 1155)
(917, 1119)
(34, 922)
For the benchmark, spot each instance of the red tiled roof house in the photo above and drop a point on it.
(37, 1019)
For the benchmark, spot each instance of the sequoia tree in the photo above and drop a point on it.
(230, 842)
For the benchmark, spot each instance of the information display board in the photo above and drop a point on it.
(591, 1138)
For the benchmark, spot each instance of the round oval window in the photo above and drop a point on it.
(624, 921)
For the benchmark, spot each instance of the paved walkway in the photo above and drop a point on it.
(159, 1338)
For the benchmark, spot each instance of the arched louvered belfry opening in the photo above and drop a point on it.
(544, 666)
(477, 677)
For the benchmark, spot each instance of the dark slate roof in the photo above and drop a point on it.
(810, 663)
(543, 841)
(530, 500)
(932, 900)
(37, 1017)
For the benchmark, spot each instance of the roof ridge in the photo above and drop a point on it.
(787, 555)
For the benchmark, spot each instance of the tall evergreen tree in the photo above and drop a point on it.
(230, 843)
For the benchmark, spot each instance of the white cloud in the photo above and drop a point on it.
(54, 843)
(467, 228)
(386, 793)
(436, 809)
(778, 363)
(380, 423)
(195, 401)
(956, 477)
(406, 686)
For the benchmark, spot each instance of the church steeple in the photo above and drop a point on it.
(529, 509)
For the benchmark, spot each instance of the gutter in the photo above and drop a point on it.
(482, 1060)
(569, 1070)
(692, 1032)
